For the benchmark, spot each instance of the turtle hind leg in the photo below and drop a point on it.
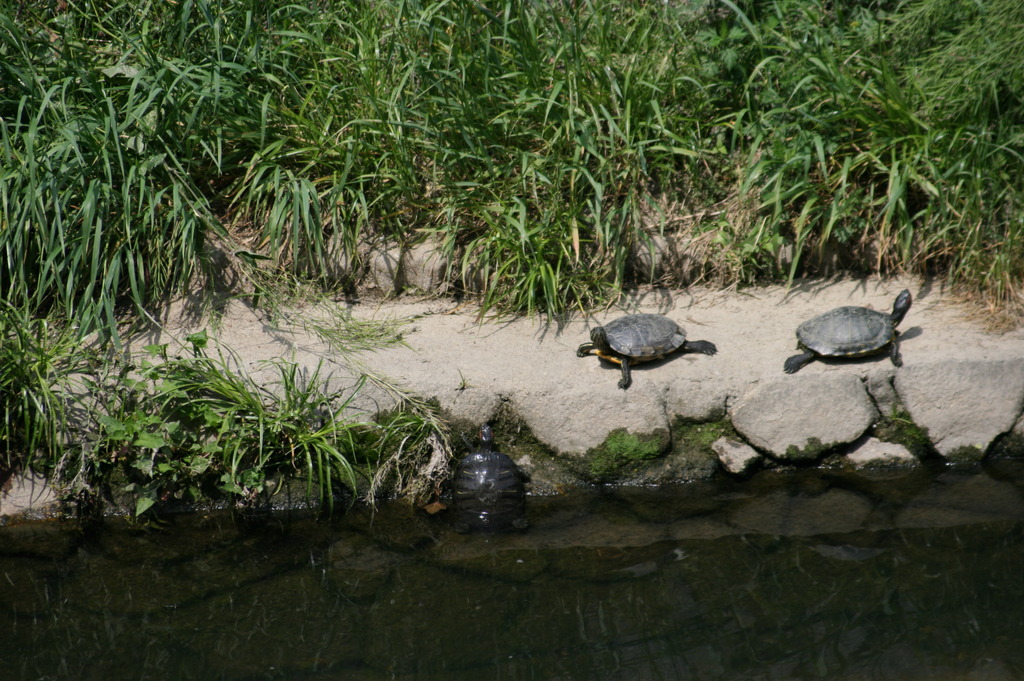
(584, 350)
(627, 378)
(703, 347)
(797, 362)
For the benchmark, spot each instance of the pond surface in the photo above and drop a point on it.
(806, 575)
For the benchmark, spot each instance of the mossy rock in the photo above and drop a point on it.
(966, 455)
(692, 457)
(1008, 446)
(700, 435)
(624, 455)
(813, 450)
(900, 429)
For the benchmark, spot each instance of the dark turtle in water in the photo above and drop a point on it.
(639, 338)
(850, 332)
(489, 490)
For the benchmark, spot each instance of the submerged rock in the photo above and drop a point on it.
(962, 499)
(803, 514)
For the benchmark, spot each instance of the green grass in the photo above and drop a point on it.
(192, 425)
(39, 363)
(523, 137)
(537, 141)
(853, 146)
(542, 144)
(195, 426)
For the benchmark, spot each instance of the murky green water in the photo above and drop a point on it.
(798, 576)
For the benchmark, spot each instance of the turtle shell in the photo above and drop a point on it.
(644, 336)
(847, 332)
(489, 493)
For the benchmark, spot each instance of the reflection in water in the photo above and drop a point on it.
(799, 576)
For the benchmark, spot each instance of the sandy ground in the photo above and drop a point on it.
(754, 330)
(449, 345)
(476, 365)
(472, 364)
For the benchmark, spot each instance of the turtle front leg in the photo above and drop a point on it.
(627, 379)
(894, 354)
(797, 362)
(584, 350)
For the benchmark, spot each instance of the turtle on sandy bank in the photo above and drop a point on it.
(850, 332)
(639, 338)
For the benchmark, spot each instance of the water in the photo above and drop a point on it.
(807, 575)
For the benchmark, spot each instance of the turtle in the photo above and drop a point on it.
(489, 490)
(850, 331)
(639, 338)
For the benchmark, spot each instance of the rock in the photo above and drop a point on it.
(1018, 428)
(1012, 445)
(879, 384)
(383, 263)
(474, 276)
(358, 567)
(679, 257)
(648, 257)
(963, 405)
(27, 493)
(736, 457)
(874, 453)
(696, 399)
(571, 419)
(957, 499)
(798, 417)
(782, 513)
(685, 465)
(424, 266)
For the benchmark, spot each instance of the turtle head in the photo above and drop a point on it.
(487, 437)
(901, 306)
(599, 338)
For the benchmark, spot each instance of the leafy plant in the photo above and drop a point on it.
(195, 426)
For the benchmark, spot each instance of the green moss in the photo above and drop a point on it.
(813, 450)
(965, 455)
(661, 457)
(623, 454)
(1009, 445)
(513, 437)
(692, 457)
(900, 429)
(700, 435)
